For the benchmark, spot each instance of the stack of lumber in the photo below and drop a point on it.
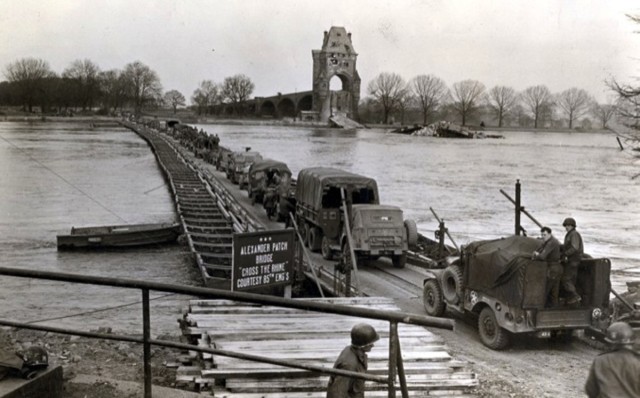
(309, 338)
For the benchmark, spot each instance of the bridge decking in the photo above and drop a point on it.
(206, 221)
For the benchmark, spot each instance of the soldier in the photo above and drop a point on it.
(549, 251)
(572, 255)
(353, 358)
(616, 373)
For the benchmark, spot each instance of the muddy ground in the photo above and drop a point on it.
(501, 374)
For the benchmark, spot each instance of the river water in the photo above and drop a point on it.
(58, 175)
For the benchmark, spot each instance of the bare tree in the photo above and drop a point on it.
(28, 74)
(406, 100)
(85, 75)
(387, 89)
(174, 99)
(603, 113)
(628, 95)
(205, 96)
(502, 100)
(466, 97)
(113, 85)
(237, 90)
(574, 102)
(537, 99)
(429, 91)
(143, 83)
(628, 111)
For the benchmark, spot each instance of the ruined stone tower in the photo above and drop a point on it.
(336, 58)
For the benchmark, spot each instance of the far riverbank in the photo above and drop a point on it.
(191, 119)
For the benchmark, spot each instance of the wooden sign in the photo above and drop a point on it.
(263, 258)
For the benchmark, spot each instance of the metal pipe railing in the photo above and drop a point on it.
(395, 356)
(403, 317)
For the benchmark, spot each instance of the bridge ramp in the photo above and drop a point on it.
(310, 338)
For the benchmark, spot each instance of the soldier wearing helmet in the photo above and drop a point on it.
(353, 358)
(616, 373)
(572, 255)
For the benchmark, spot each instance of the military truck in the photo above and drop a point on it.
(497, 281)
(323, 197)
(267, 180)
(237, 166)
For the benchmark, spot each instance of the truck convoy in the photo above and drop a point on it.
(497, 281)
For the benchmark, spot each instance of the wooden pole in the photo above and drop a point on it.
(518, 207)
(522, 209)
(347, 228)
(393, 358)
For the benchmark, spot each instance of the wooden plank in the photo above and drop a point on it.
(428, 369)
(300, 343)
(220, 392)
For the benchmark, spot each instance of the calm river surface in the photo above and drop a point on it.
(58, 175)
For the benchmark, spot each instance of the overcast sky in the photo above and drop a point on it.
(558, 43)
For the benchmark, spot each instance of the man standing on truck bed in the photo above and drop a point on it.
(572, 255)
(549, 251)
(616, 373)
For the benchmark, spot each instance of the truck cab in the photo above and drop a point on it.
(237, 167)
(497, 281)
(380, 230)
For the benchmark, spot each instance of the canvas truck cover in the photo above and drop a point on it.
(503, 269)
(313, 181)
(270, 164)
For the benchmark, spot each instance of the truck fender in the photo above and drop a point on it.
(432, 274)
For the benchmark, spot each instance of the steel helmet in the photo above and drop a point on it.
(569, 221)
(619, 333)
(35, 357)
(363, 334)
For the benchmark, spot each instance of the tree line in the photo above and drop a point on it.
(31, 83)
(390, 96)
(83, 85)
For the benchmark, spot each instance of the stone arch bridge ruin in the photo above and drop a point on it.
(336, 59)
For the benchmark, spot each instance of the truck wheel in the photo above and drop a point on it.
(315, 239)
(452, 284)
(399, 260)
(412, 232)
(432, 298)
(491, 334)
(327, 253)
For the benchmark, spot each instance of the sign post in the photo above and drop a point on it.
(262, 259)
